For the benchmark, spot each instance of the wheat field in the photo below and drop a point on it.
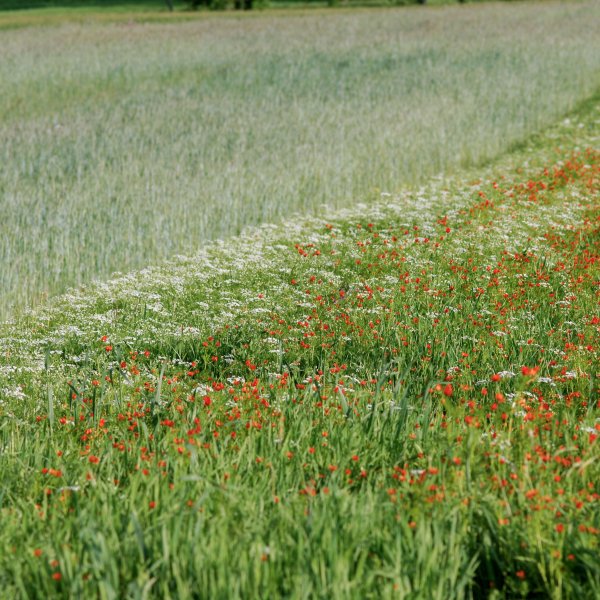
(127, 143)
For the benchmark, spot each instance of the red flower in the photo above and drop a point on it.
(530, 371)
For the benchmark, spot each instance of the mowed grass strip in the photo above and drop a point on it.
(400, 401)
(126, 143)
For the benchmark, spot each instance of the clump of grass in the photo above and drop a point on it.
(124, 144)
(398, 401)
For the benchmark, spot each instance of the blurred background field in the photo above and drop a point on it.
(124, 143)
(187, 5)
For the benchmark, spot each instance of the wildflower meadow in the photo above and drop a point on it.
(392, 399)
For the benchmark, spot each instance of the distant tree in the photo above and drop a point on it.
(222, 4)
(169, 5)
(195, 4)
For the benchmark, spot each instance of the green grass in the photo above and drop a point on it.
(392, 399)
(398, 400)
(71, 7)
(17, 15)
(130, 5)
(126, 143)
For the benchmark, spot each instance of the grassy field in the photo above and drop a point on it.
(126, 143)
(386, 386)
(72, 8)
(400, 400)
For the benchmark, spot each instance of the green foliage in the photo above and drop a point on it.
(226, 4)
(10, 5)
(99, 4)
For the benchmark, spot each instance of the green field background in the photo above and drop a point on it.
(182, 4)
(125, 143)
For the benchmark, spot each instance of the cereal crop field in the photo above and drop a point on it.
(127, 143)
